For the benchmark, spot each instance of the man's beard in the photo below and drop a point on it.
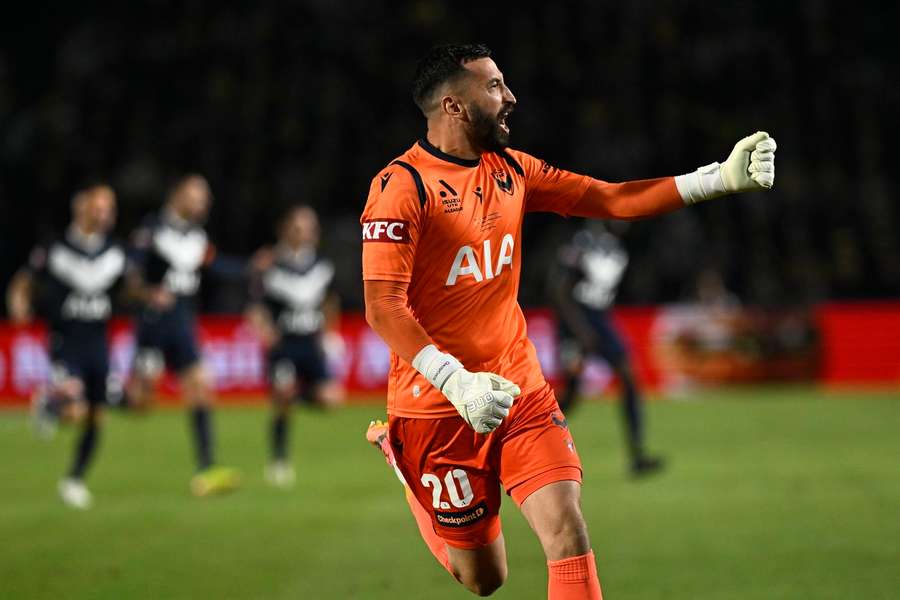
(486, 131)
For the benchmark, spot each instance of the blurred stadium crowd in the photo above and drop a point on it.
(278, 105)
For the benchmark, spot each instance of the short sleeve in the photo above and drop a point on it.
(390, 226)
(547, 188)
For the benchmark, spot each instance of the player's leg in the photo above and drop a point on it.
(72, 488)
(195, 389)
(91, 393)
(183, 356)
(469, 545)
(554, 514)
(147, 368)
(541, 470)
(632, 416)
(612, 348)
(59, 400)
(283, 385)
(312, 367)
(328, 393)
(141, 387)
(481, 570)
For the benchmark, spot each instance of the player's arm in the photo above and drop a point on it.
(331, 311)
(260, 320)
(391, 223)
(18, 297)
(21, 290)
(257, 313)
(749, 167)
(482, 399)
(227, 266)
(388, 314)
(137, 288)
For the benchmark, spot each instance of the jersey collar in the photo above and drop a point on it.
(435, 152)
(301, 257)
(88, 242)
(170, 217)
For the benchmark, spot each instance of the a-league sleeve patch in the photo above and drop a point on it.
(385, 230)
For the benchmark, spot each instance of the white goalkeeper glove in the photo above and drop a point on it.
(750, 167)
(482, 399)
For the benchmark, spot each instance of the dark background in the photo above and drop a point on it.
(280, 103)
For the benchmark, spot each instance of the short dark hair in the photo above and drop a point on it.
(89, 185)
(180, 181)
(441, 64)
(292, 210)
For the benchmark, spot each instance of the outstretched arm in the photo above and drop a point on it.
(749, 167)
(629, 200)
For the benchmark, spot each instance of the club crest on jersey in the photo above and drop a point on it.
(504, 180)
(385, 230)
(559, 419)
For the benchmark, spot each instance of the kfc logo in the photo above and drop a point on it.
(386, 230)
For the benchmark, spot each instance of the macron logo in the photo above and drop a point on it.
(386, 230)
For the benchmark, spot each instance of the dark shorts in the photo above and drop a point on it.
(610, 346)
(298, 360)
(86, 360)
(170, 338)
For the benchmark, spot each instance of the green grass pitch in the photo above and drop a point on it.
(771, 493)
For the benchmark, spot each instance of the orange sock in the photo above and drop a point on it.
(574, 579)
(437, 546)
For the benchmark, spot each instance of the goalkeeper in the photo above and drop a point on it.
(469, 409)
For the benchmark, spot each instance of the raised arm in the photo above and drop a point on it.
(749, 167)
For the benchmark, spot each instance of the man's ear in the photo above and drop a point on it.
(452, 107)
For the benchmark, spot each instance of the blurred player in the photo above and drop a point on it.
(293, 304)
(583, 290)
(442, 248)
(169, 251)
(71, 279)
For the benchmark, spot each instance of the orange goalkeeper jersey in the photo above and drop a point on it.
(452, 229)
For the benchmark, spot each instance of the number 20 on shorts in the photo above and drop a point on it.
(460, 496)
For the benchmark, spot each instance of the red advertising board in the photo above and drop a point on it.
(671, 347)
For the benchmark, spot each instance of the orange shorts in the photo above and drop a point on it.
(456, 473)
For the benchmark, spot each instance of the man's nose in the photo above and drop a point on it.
(508, 96)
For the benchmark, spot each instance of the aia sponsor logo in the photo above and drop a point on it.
(385, 230)
(468, 263)
(504, 181)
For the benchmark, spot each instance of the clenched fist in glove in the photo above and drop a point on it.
(750, 167)
(482, 399)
